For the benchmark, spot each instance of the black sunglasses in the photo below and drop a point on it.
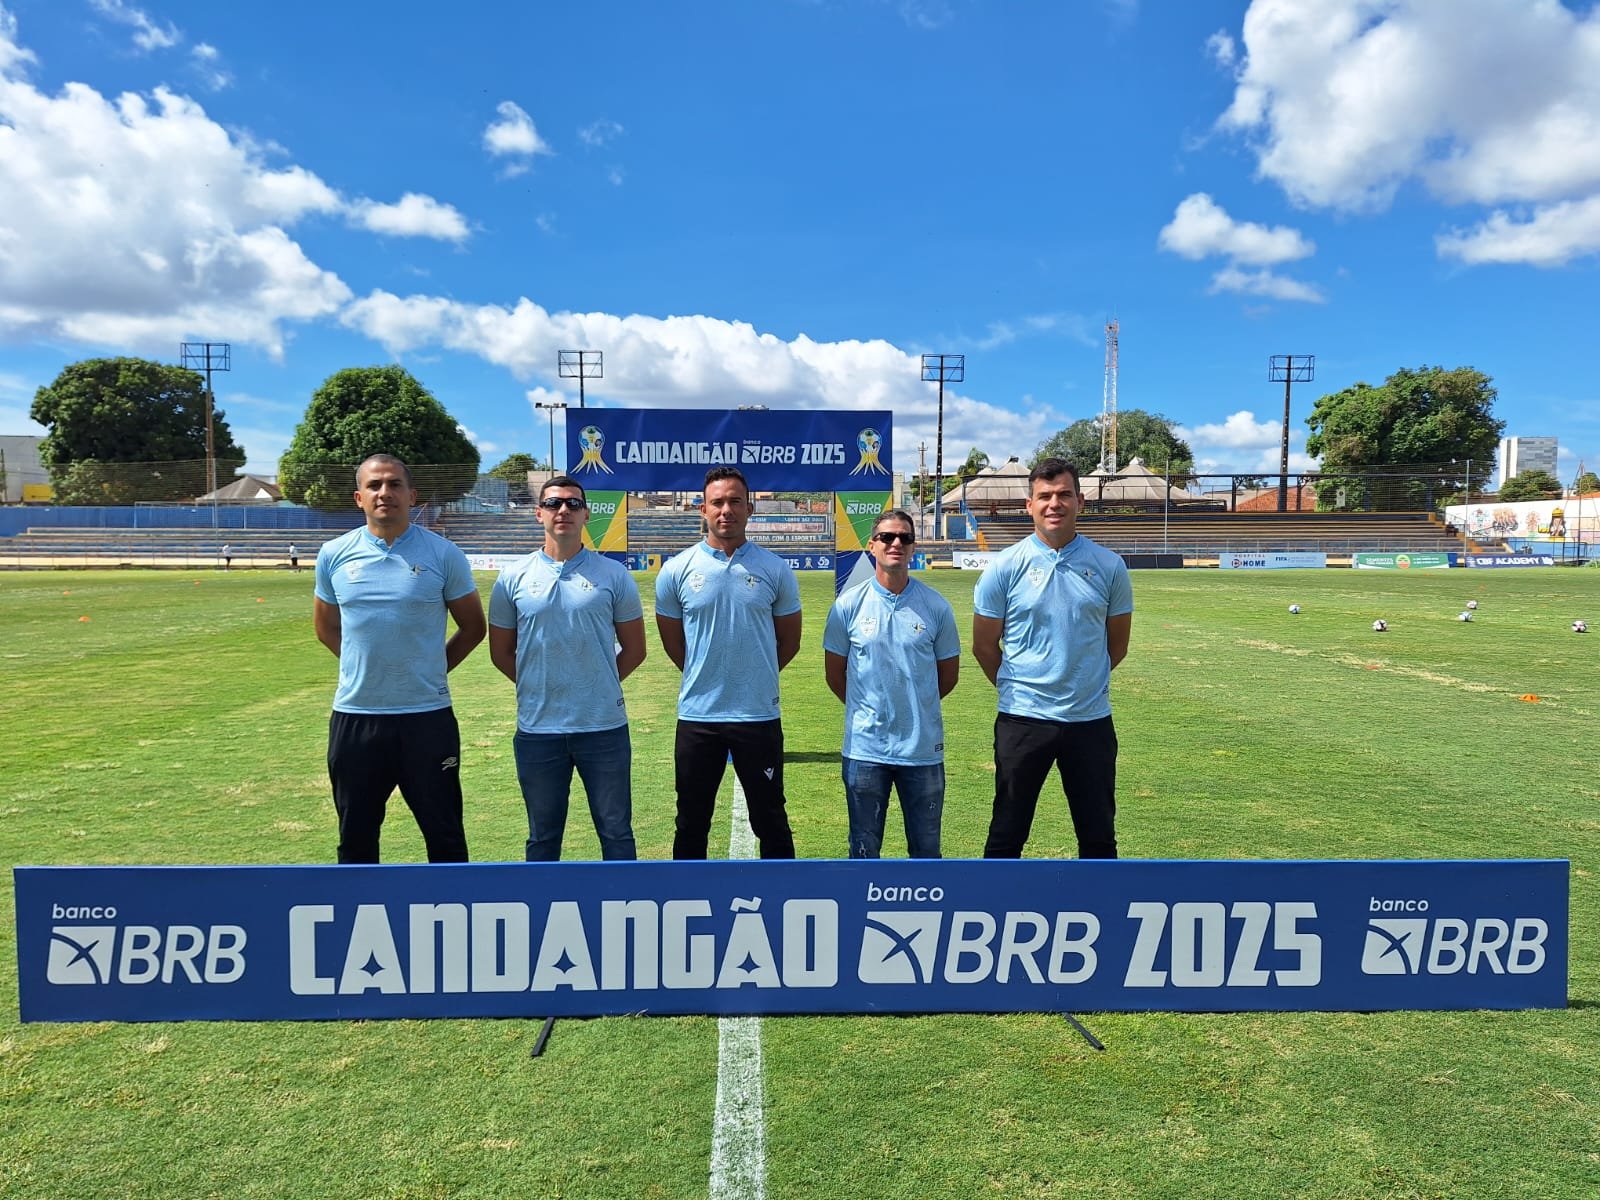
(554, 503)
(894, 536)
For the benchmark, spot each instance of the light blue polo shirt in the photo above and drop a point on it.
(892, 645)
(727, 605)
(566, 616)
(1054, 664)
(392, 617)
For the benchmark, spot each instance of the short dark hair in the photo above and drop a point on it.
(1054, 468)
(719, 474)
(387, 460)
(895, 514)
(566, 481)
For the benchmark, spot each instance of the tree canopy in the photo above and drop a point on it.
(514, 468)
(1429, 418)
(1143, 435)
(977, 461)
(362, 411)
(1531, 485)
(105, 413)
(1586, 483)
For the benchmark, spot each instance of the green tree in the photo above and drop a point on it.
(1430, 418)
(107, 414)
(375, 410)
(1586, 483)
(514, 468)
(1531, 485)
(977, 461)
(1142, 435)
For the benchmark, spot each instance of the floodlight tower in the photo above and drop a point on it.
(941, 369)
(1108, 406)
(208, 357)
(581, 365)
(1288, 369)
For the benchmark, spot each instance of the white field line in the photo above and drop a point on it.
(738, 1132)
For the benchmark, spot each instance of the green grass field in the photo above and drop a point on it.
(180, 717)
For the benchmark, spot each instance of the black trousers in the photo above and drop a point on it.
(702, 752)
(1085, 754)
(420, 753)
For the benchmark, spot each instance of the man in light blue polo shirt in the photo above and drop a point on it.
(382, 592)
(891, 653)
(1052, 616)
(566, 626)
(728, 612)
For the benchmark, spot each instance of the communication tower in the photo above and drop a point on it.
(1108, 410)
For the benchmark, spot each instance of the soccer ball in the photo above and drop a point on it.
(1294, 608)
(1466, 616)
(1380, 626)
(1472, 604)
(1579, 627)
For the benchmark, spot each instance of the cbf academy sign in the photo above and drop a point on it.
(671, 450)
(582, 939)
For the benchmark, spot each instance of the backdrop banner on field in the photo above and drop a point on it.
(818, 936)
(671, 449)
(1272, 562)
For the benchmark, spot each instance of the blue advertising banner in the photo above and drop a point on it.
(1510, 560)
(671, 449)
(818, 936)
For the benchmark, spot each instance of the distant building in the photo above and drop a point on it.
(1519, 454)
(22, 475)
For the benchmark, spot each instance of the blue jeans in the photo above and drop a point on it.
(604, 760)
(866, 792)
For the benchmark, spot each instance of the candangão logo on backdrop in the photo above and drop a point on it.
(592, 442)
(870, 443)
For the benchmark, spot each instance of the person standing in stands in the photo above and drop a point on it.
(382, 593)
(566, 626)
(728, 612)
(1052, 616)
(891, 654)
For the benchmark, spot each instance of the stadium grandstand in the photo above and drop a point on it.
(1127, 514)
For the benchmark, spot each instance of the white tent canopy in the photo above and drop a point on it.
(1134, 483)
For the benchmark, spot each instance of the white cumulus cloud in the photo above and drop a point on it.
(147, 35)
(512, 134)
(704, 362)
(413, 215)
(1551, 236)
(1202, 228)
(1264, 283)
(1487, 102)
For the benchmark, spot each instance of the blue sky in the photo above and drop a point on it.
(787, 201)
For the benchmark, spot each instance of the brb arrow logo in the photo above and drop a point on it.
(899, 947)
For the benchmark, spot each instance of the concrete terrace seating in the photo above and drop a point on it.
(1209, 534)
(160, 547)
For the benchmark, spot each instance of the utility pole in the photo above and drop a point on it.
(1108, 404)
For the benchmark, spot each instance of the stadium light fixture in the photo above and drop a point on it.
(580, 365)
(1288, 369)
(550, 407)
(941, 369)
(207, 357)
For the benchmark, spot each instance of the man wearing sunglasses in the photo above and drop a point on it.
(891, 653)
(728, 612)
(1051, 618)
(566, 626)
